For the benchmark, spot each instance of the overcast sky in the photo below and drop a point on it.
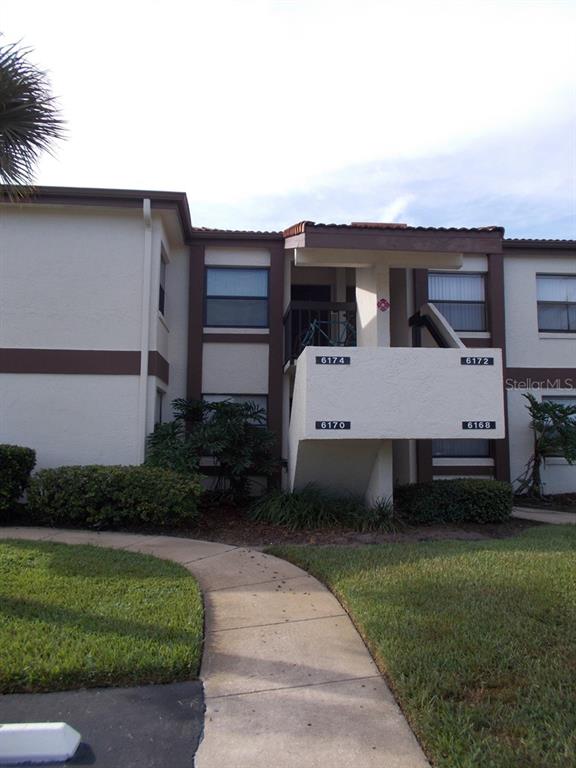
(266, 112)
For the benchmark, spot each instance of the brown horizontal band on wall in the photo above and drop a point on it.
(471, 342)
(463, 470)
(540, 378)
(90, 362)
(158, 366)
(236, 338)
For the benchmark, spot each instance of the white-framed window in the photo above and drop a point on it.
(461, 299)
(556, 303)
(259, 400)
(460, 449)
(569, 400)
(162, 290)
(159, 406)
(236, 297)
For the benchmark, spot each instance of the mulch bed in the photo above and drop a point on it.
(231, 525)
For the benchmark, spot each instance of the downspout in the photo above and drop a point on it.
(144, 330)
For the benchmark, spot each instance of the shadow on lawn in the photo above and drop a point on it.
(35, 610)
(95, 561)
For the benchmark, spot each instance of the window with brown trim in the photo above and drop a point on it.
(460, 297)
(556, 303)
(236, 297)
(460, 449)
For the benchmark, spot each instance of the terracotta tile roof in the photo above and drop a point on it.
(530, 242)
(242, 234)
(300, 227)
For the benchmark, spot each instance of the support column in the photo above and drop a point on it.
(372, 325)
(381, 483)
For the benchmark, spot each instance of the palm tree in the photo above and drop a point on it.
(29, 116)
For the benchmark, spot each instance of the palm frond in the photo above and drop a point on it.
(30, 120)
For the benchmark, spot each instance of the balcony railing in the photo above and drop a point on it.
(318, 324)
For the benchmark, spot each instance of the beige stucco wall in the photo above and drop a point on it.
(71, 419)
(76, 278)
(525, 345)
(70, 279)
(235, 368)
(399, 393)
(237, 257)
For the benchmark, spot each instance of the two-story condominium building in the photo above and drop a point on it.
(382, 353)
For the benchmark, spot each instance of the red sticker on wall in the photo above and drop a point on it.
(383, 305)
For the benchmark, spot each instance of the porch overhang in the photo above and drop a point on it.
(389, 245)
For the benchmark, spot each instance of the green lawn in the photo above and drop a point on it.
(82, 616)
(477, 639)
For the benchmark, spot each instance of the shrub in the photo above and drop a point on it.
(169, 447)
(455, 501)
(111, 497)
(234, 435)
(16, 465)
(316, 508)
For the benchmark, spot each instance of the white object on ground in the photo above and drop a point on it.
(37, 743)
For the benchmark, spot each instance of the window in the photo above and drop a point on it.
(465, 449)
(556, 303)
(158, 406)
(560, 400)
(460, 298)
(260, 400)
(162, 296)
(236, 297)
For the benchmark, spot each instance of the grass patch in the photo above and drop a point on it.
(478, 640)
(83, 616)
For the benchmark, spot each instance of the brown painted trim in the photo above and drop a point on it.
(423, 447)
(276, 348)
(236, 338)
(540, 378)
(539, 245)
(117, 198)
(92, 362)
(237, 239)
(464, 470)
(109, 362)
(476, 342)
(158, 366)
(420, 288)
(424, 460)
(195, 322)
(496, 303)
(447, 241)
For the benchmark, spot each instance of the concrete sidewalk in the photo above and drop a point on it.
(545, 516)
(287, 679)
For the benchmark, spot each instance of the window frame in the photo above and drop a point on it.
(484, 302)
(554, 398)
(206, 297)
(489, 455)
(162, 284)
(565, 304)
(159, 406)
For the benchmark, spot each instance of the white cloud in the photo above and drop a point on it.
(242, 99)
(396, 210)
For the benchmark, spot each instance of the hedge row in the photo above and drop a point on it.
(113, 497)
(455, 501)
(16, 465)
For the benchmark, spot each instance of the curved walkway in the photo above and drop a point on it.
(287, 679)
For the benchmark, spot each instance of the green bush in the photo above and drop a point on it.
(315, 508)
(16, 465)
(454, 501)
(112, 497)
